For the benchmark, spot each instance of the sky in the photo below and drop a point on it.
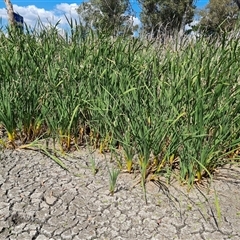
(51, 11)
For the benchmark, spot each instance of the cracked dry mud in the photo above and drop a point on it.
(39, 200)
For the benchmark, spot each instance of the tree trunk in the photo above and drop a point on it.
(11, 19)
(183, 24)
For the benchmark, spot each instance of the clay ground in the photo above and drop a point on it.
(40, 200)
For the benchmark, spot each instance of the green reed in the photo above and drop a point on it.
(173, 109)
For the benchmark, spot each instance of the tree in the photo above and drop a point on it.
(166, 16)
(111, 16)
(9, 7)
(218, 16)
(238, 3)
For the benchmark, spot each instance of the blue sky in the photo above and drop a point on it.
(54, 10)
(50, 4)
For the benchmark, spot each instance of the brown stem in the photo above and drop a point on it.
(10, 13)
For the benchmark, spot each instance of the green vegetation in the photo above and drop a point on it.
(165, 110)
(113, 17)
(219, 16)
(166, 17)
(113, 175)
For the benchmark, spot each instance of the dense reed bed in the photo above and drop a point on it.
(165, 109)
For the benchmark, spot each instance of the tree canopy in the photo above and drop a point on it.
(166, 16)
(218, 16)
(110, 16)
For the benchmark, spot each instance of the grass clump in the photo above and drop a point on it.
(165, 109)
(113, 175)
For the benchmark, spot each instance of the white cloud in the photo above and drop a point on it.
(3, 13)
(192, 24)
(60, 12)
(69, 10)
(65, 7)
(136, 21)
(32, 14)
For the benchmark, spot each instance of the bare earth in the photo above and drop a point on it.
(39, 200)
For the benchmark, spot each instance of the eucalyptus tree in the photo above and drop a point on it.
(166, 16)
(113, 17)
(219, 16)
(238, 3)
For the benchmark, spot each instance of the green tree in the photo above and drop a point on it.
(219, 16)
(166, 16)
(238, 3)
(109, 16)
